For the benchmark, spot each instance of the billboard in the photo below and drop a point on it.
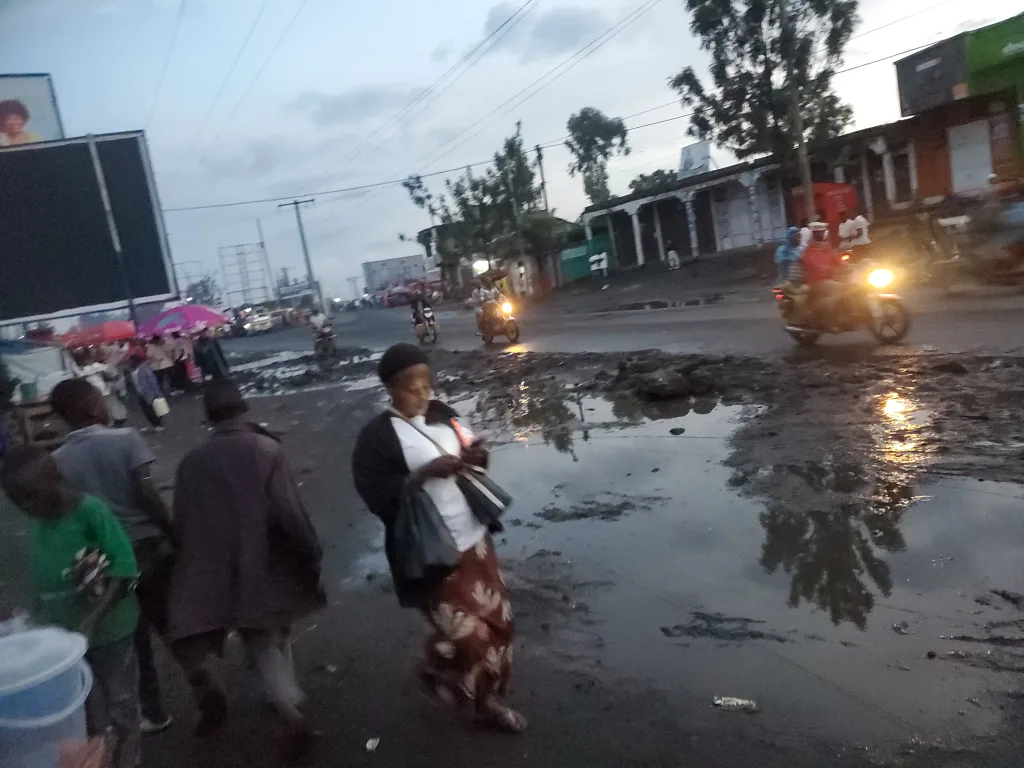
(932, 77)
(28, 110)
(55, 243)
(695, 159)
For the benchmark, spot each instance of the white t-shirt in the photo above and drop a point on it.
(848, 232)
(94, 374)
(805, 237)
(445, 493)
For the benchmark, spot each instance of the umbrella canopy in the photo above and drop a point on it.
(185, 319)
(104, 333)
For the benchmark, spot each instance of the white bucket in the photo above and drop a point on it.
(34, 742)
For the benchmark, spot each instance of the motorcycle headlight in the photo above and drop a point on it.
(506, 308)
(880, 278)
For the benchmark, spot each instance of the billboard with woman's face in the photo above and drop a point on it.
(28, 110)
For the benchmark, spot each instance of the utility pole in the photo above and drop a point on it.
(515, 211)
(796, 117)
(266, 261)
(305, 250)
(543, 183)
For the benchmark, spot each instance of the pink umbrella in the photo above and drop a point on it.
(188, 318)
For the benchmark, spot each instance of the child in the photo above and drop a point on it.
(66, 525)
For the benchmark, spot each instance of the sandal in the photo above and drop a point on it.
(505, 718)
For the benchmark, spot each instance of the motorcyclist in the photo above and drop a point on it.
(318, 321)
(487, 298)
(822, 268)
(418, 304)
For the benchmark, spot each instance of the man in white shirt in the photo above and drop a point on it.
(673, 257)
(853, 232)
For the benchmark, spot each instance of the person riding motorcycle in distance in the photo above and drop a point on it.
(822, 268)
(488, 299)
(419, 303)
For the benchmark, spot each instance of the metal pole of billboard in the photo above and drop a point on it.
(115, 238)
(305, 249)
(266, 262)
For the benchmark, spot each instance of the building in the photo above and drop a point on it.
(963, 104)
(379, 275)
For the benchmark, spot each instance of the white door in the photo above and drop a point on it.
(970, 157)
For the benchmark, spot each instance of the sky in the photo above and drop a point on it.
(255, 99)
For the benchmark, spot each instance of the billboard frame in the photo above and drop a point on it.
(53, 97)
(174, 293)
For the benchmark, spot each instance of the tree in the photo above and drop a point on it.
(651, 182)
(593, 138)
(746, 108)
(204, 291)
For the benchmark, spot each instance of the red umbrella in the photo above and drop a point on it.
(104, 333)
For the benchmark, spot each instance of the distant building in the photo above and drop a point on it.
(386, 272)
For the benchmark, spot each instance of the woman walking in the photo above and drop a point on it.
(147, 390)
(419, 441)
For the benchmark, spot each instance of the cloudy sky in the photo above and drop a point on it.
(254, 99)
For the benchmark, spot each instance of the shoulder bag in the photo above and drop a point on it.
(486, 498)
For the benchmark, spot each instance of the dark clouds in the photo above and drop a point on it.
(354, 104)
(550, 33)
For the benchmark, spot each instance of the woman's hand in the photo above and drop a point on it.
(476, 453)
(441, 467)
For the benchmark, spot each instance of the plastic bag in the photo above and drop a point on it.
(421, 542)
(486, 498)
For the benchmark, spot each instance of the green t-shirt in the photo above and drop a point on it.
(54, 546)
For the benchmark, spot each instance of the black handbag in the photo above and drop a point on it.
(421, 543)
(487, 500)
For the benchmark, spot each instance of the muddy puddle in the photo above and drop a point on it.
(875, 608)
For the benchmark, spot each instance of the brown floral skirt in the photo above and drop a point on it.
(469, 651)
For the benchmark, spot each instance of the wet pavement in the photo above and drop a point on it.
(835, 534)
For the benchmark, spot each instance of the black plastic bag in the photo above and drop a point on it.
(421, 542)
(486, 498)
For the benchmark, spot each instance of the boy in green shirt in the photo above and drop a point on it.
(65, 523)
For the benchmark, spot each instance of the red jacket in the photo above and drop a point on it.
(821, 262)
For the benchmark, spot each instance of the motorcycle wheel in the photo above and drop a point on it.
(804, 338)
(893, 323)
(512, 331)
(488, 339)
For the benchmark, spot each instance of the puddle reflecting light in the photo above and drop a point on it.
(896, 408)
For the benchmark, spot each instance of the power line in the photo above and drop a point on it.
(422, 99)
(167, 62)
(227, 79)
(463, 166)
(256, 77)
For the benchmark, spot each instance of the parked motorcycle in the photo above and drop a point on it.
(428, 326)
(324, 345)
(863, 304)
(499, 321)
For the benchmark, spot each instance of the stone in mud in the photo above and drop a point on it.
(661, 384)
(950, 366)
(676, 431)
(701, 382)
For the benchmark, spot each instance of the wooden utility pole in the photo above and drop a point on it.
(796, 116)
(543, 183)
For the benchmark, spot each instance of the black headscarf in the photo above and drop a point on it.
(398, 358)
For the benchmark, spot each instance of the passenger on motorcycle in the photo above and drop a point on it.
(822, 267)
(486, 298)
(786, 255)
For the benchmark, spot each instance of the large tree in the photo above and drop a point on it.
(746, 106)
(203, 291)
(593, 138)
(651, 182)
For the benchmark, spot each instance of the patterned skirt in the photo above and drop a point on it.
(470, 651)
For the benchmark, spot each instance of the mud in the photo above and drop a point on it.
(758, 529)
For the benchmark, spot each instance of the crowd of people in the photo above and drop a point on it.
(141, 375)
(237, 552)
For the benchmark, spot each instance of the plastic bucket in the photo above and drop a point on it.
(35, 742)
(39, 672)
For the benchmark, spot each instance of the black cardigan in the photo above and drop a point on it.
(380, 473)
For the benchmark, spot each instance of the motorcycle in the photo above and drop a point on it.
(863, 304)
(324, 346)
(427, 326)
(499, 321)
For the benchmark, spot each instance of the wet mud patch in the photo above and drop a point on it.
(610, 508)
(716, 626)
